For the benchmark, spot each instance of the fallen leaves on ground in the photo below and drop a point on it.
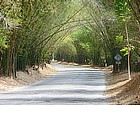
(24, 78)
(122, 91)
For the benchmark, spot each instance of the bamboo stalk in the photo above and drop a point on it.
(129, 49)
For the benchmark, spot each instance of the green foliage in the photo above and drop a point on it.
(83, 30)
(122, 10)
(3, 42)
(119, 39)
(66, 52)
(124, 51)
(88, 50)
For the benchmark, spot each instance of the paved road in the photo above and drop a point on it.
(71, 85)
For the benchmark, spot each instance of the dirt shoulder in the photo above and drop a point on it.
(24, 78)
(122, 91)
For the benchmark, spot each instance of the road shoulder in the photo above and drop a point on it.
(122, 91)
(24, 78)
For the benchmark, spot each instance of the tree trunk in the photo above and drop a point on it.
(14, 55)
(129, 49)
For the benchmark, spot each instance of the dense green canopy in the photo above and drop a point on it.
(84, 31)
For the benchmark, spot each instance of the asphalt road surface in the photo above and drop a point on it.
(71, 85)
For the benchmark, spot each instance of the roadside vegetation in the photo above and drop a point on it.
(33, 32)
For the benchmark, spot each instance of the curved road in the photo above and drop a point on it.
(71, 85)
